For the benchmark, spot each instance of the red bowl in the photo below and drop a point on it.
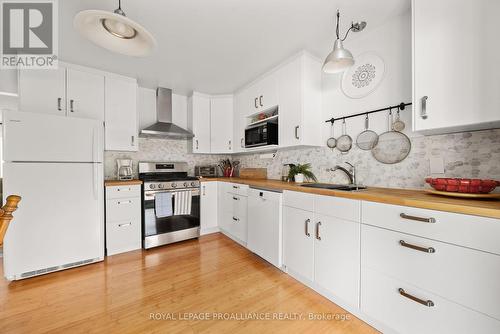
(469, 186)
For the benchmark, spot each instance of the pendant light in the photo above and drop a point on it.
(341, 59)
(115, 32)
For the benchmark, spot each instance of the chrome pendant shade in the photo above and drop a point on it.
(340, 58)
(115, 32)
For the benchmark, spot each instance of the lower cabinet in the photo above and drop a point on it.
(123, 219)
(323, 249)
(233, 210)
(209, 208)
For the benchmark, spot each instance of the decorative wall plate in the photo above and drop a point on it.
(364, 76)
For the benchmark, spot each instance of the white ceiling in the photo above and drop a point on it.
(216, 46)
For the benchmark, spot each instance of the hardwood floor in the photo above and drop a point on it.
(122, 294)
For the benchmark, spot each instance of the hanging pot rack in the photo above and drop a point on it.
(400, 106)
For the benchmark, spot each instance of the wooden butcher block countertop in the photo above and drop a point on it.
(112, 183)
(405, 197)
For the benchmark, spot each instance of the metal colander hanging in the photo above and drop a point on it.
(367, 139)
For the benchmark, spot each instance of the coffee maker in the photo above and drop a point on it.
(124, 169)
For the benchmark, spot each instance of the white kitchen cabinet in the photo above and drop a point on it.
(455, 88)
(221, 124)
(209, 207)
(121, 114)
(262, 95)
(298, 242)
(239, 122)
(43, 91)
(85, 94)
(123, 218)
(233, 211)
(265, 225)
(199, 122)
(299, 93)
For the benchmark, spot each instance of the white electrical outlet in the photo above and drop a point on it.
(436, 165)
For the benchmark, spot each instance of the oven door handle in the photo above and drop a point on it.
(150, 195)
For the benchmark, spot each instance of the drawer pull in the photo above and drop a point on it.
(236, 198)
(317, 231)
(419, 219)
(236, 187)
(124, 224)
(307, 227)
(428, 303)
(429, 250)
(236, 219)
(125, 202)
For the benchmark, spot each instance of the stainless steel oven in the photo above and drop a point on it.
(180, 194)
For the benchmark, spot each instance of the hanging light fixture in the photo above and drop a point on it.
(341, 59)
(115, 32)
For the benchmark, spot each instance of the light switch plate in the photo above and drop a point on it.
(436, 165)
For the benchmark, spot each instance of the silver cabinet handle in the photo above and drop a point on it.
(419, 219)
(72, 105)
(229, 144)
(236, 198)
(236, 187)
(255, 103)
(307, 227)
(125, 202)
(241, 143)
(236, 219)
(318, 224)
(204, 190)
(429, 250)
(59, 100)
(428, 303)
(132, 140)
(124, 224)
(297, 132)
(197, 146)
(260, 100)
(423, 111)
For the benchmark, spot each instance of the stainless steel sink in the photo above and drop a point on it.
(330, 186)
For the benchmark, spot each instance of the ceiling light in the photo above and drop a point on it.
(341, 59)
(115, 32)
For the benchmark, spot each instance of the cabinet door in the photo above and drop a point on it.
(298, 241)
(290, 97)
(225, 207)
(337, 257)
(267, 93)
(200, 109)
(239, 122)
(209, 195)
(221, 123)
(85, 94)
(121, 114)
(43, 91)
(460, 82)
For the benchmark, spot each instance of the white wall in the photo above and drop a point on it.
(392, 42)
(146, 107)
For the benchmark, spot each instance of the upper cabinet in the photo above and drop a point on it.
(85, 94)
(262, 95)
(43, 91)
(221, 124)
(121, 114)
(299, 93)
(199, 122)
(455, 65)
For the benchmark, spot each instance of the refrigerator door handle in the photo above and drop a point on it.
(95, 171)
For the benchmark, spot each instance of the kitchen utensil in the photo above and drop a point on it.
(463, 195)
(332, 141)
(367, 139)
(460, 185)
(393, 146)
(398, 125)
(344, 142)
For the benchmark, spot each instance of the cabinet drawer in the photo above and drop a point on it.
(123, 209)
(123, 191)
(298, 200)
(265, 194)
(464, 230)
(237, 189)
(342, 208)
(123, 236)
(463, 275)
(381, 299)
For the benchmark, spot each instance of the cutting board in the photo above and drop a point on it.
(253, 173)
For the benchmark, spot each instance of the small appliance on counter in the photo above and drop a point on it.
(205, 171)
(124, 169)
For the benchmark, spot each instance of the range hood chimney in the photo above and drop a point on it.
(164, 127)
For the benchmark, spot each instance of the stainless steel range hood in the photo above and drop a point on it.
(164, 127)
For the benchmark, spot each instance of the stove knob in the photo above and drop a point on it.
(185, 184)
(193, 184)
(173, 185)
(161, 186)
(152, 186)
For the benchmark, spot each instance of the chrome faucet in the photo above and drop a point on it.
(351, 173)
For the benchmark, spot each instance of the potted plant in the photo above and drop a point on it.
(299, 172)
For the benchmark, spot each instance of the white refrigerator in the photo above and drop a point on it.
(55, 164)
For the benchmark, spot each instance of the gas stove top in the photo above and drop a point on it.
(166, 176)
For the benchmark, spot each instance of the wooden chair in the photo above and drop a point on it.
(6, 214)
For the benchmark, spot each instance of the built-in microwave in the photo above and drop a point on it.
(261, 135)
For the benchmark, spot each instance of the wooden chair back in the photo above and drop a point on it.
(6, 214)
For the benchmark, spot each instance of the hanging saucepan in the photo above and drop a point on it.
(344, 142)
(393, 146)
(331, 142)
(367, 139)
